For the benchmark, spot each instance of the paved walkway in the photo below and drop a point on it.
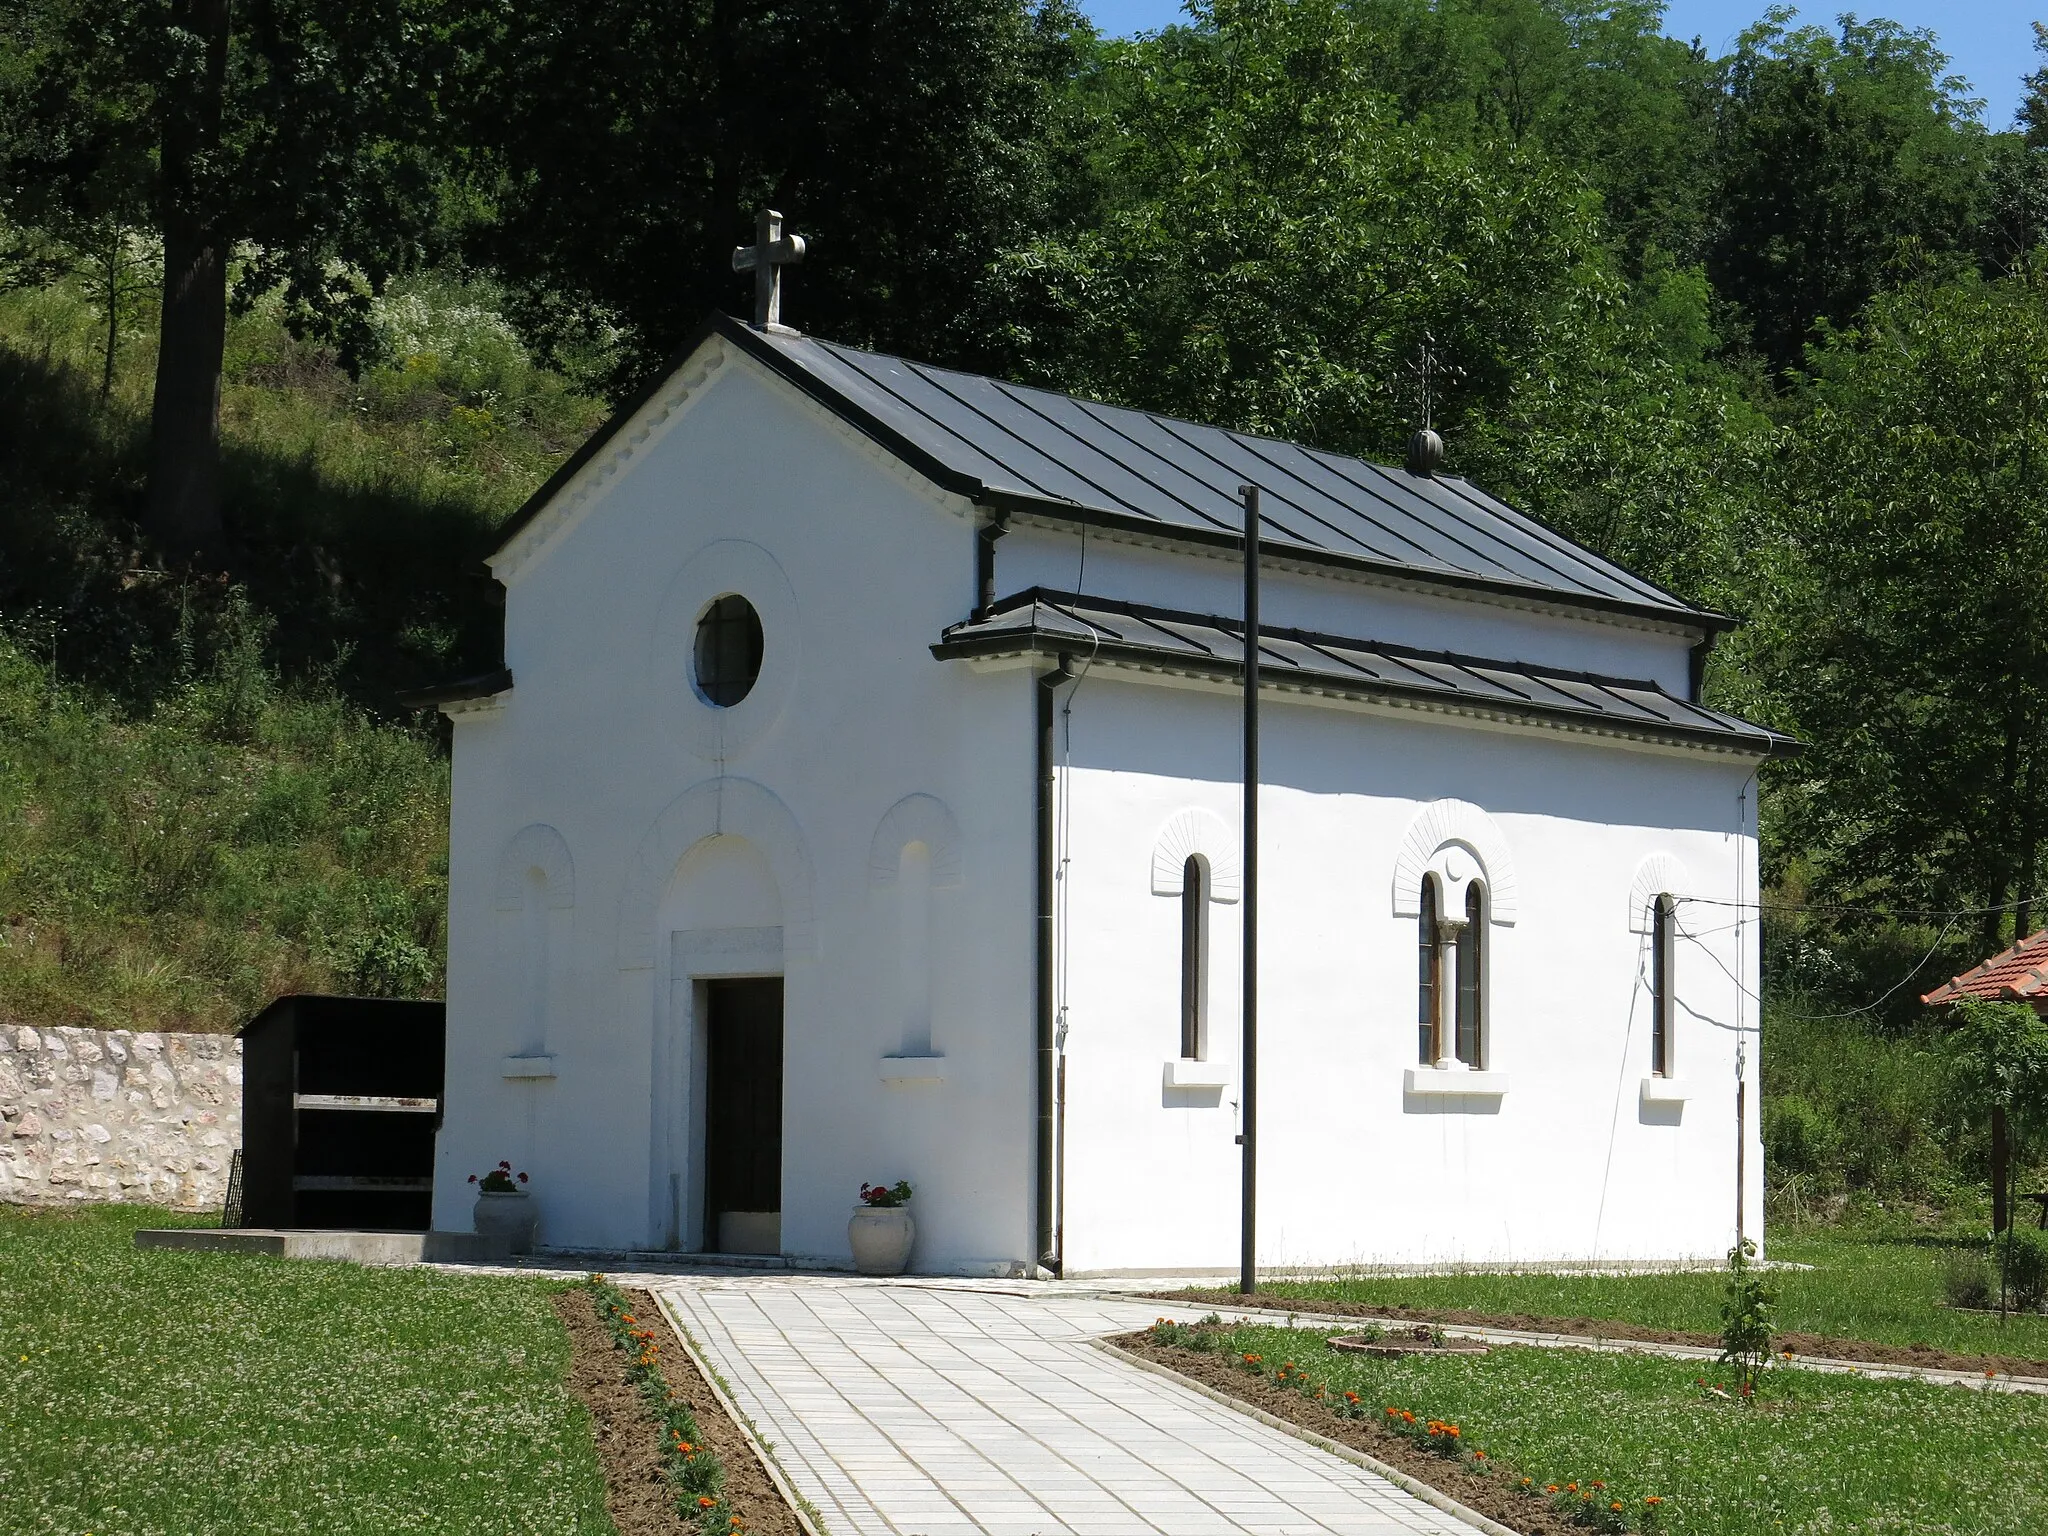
(926, 1410)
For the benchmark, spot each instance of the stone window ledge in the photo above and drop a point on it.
(1445, 1082)
(1666, 1090)
(913, 1069)
(1183, 1073)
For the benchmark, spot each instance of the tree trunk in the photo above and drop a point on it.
(113, 266)
(2001, 1156)
(183, 510)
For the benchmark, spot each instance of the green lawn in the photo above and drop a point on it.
(1885, 1290)
(1819, 1453)
(148, 1393)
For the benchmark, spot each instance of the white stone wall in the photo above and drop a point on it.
(118, 1114)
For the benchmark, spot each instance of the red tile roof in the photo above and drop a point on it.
(2020, 973)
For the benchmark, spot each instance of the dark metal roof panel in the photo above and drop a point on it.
(1080, 626)
(1037, 443)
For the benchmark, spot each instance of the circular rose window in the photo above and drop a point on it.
(727, 656)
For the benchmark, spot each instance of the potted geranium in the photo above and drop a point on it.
(882, 1230)
(503, 1208)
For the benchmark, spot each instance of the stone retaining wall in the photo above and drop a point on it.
(118, 1114)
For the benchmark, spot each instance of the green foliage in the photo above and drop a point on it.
(2001, 1055)
(224, 1392)
(179, 865)
(356, 503)
(623, 148)
(1820, 1453)
(2023, 1266)
(1747, 1324)
(1845, 160)
(1900, 621)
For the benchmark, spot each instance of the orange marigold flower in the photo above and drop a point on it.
(1550, 1487)
(1655, 1498)
(1393, 1413)
(1479, 1455)
(1350, 1397)
(705, 1501)
(1571, 1487)
(1405, 1414)
(1615, 1506)
(1596, 1483)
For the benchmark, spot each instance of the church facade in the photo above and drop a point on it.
(860, 802)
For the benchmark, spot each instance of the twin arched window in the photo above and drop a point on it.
(1451, 963)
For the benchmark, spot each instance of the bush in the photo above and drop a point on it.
(1966, 1278)
(2023, 1255)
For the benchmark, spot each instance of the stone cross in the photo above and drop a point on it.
(771, 251)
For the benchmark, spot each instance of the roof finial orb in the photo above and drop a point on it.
(1425, 453)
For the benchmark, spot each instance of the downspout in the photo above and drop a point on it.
(1042, 978)
(1696, 668)
(985, 567)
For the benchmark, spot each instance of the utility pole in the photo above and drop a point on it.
(1247, 1268)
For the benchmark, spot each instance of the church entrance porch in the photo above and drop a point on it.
(743, 1116)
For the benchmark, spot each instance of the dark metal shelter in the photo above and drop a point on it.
(341, 1097)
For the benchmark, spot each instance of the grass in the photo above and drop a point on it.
(1817, 1453)
(1886, 1290)
(151, 1393)
(175, 865)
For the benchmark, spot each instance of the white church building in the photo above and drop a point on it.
(860, 801)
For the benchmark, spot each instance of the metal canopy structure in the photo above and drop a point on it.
(1210, 645)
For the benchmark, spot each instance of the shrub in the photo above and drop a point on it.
(2023, 1255)
(1965, 1278)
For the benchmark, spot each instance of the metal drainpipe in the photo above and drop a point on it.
(1048, 1233)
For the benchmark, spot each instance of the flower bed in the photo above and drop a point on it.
(1809, 1451)
(1432, 1451)
(674, 1459)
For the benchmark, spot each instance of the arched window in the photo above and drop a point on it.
(1429, 962)
(1471, 1041)
(1194, 959)
(1663, 951)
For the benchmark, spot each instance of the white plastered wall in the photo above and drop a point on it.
(1567, 1163)
(1212, 582)
(856, 567)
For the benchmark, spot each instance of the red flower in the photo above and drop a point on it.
(472, 1178)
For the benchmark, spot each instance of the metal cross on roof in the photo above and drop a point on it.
(1427, 368)
(771, 251)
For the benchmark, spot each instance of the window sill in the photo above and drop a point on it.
(1666, 1090)
(529, 1066)
(1182, 1073)
(1445, 1082)
(913, 1069)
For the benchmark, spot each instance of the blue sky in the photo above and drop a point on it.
(1989, 42)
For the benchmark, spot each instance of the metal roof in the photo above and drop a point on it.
(1018, 449)
(1159, 639)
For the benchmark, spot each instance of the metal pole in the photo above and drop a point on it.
(1247, 1264)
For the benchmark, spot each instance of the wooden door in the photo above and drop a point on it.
(743, 1116)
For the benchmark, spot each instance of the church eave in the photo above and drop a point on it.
(1080, 649)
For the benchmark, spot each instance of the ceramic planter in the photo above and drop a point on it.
(881, 1236)
(510, 1217)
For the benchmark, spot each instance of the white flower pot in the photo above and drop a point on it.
(510, 1217)
(881, 1236)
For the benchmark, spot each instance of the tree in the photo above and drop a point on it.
(1278, 244)
(287, 146)
(2001, 1057)
(1846, 160)
(1902, 616)
(623, 148)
